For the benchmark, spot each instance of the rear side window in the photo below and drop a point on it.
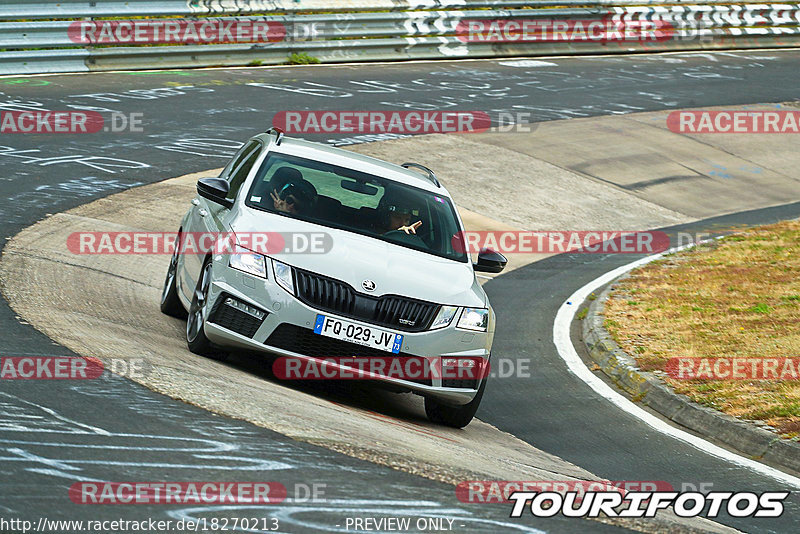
(238, 159)
(240, 174)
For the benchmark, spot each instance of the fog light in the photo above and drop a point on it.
(242, 307)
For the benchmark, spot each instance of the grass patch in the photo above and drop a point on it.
(760, 308)
(302, 59)
(739, 298)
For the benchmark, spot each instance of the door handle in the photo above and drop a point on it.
(202, 213)
(195, 202)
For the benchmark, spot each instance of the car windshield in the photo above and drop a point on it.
(357, 202)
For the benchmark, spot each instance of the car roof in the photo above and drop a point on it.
(351, 160)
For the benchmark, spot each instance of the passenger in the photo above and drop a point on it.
(291, 192)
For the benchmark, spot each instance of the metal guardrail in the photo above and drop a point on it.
(31, 9)
(367, 30)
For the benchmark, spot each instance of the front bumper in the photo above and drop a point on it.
(282, 308)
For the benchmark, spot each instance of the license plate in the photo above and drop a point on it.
(360, 335)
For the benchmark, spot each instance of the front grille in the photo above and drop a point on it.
(304, 341)
(327, 294)
(233, 319)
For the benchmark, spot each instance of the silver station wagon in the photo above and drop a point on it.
(388, 278)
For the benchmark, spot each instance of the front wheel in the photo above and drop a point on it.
(454, 416)
(170, 303)
(195, 333)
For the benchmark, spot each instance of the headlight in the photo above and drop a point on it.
(248, 262)
(474, 319)
(283, 275)
(443, 318)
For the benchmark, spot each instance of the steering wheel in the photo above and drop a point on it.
(399, 235)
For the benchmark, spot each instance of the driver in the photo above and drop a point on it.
(397, 213)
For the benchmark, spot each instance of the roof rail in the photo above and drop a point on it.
(431, 175)
(278, 134)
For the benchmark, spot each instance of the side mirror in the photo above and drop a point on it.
(215, 190)
(490, 261)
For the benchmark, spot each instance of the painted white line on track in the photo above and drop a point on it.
(526, 63)
(561, 338)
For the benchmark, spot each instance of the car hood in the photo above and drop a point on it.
(353, 258)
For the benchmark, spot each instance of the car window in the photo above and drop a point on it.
(357, 202)
(237, 178)
(237, 159)
(328, 183)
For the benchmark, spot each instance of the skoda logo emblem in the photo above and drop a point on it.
(368, 285)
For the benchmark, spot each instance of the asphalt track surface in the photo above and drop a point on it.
(193, 121)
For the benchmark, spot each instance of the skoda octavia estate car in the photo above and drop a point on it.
(390, 280)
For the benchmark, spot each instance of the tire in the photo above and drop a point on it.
(170, 302)
(454, 416)
(195, 334)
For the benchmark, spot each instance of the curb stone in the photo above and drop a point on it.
(646, 387)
